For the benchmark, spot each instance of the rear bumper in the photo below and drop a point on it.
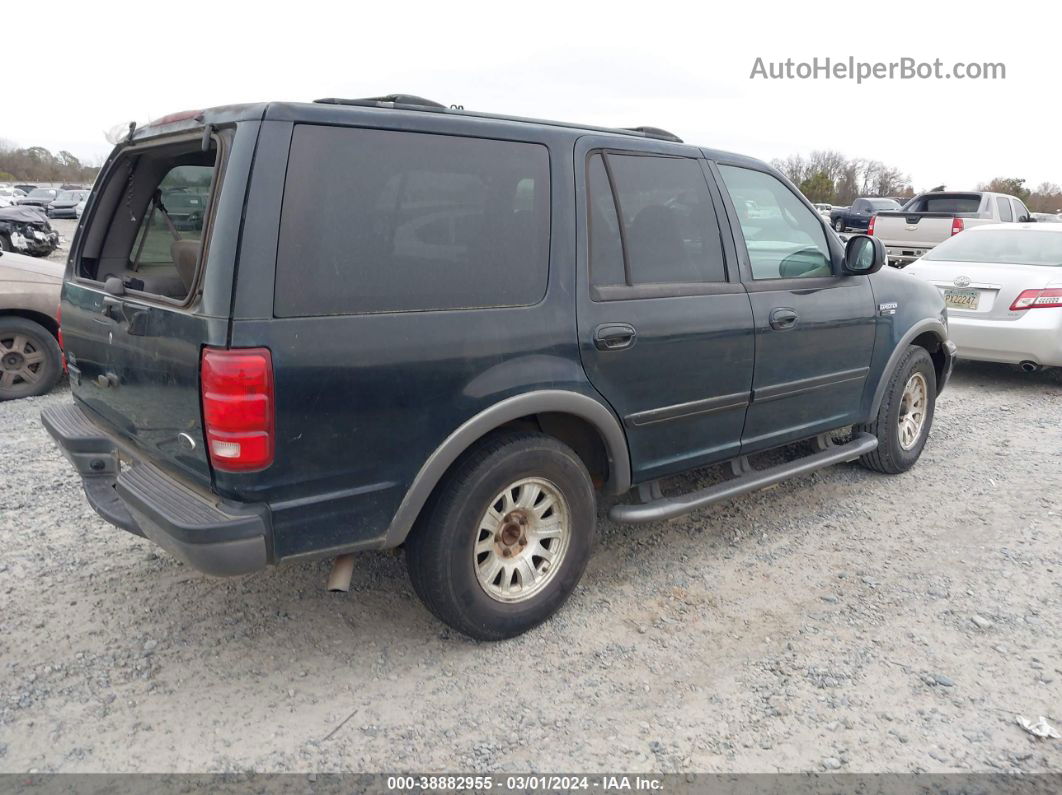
(1036, 337)
(215, 536)
(905, 253)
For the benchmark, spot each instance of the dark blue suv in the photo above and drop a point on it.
(403, 324)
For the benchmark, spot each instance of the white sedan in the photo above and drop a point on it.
(1002, 284)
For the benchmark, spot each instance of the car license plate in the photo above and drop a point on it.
(961, 299)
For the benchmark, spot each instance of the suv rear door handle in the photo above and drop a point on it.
(614, 336)
(783, 318)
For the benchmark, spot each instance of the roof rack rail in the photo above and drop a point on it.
(414, 102)
(655, 132)
(395, 100)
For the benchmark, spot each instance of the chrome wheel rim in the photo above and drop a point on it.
(521, 540)
(20, 361)
(913, 404)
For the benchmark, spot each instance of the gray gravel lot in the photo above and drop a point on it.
(843, 621)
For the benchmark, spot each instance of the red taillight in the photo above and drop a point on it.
(870, 226)
(238, 407)
(957, 225)
(1038, 299)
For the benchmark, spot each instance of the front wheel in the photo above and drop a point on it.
(505, 538)
(30, 360)
(905, 416)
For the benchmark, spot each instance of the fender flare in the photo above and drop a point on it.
(929, 324)
(548, 400)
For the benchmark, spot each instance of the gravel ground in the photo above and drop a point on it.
(843, 621)
(66, 228)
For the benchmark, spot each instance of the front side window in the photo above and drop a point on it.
(1021, 212)
(785, 239)
(651, 221)
(381, 221)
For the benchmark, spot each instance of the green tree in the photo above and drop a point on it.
(818, 187)
(1014, 186)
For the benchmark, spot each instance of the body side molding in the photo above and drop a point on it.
(693, 408)
(801, 385)
(549, 400)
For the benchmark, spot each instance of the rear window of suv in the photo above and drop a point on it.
(387, 221)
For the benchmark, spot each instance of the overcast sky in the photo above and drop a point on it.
(684, 67)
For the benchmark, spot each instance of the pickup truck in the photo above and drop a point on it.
(931, 218)
(859, 214)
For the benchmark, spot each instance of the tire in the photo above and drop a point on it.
(897, 452)
(839, 225)
(454, 580)
(30, 360)
(5, 244)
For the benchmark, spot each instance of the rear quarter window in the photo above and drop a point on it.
(386, 221)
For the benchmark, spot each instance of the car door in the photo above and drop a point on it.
(814, 327)
(665, 325)
(860, 214)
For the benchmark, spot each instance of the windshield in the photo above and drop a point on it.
(1007, 246)
(42, 193)
(67, 195)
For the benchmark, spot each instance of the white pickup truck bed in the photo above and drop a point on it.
(931, 218)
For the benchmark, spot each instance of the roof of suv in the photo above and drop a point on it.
(401, 109)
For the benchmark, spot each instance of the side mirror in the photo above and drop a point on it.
(864, 254)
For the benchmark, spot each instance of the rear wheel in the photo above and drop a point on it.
(839, 225)
(506, 537)
(30, 360)
(905, 416)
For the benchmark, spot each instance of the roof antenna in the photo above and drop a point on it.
(132, 129)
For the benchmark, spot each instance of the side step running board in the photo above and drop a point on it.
(750, 480)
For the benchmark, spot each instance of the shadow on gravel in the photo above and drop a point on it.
(991, 375)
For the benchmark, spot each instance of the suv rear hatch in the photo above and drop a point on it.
(149, 284)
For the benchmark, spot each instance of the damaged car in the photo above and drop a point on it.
(26, 230)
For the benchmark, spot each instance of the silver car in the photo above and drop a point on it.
(1002, 285)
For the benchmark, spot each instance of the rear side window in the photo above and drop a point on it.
(1005, 213)
(651, 221)
(606, 248)
(383, 221)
